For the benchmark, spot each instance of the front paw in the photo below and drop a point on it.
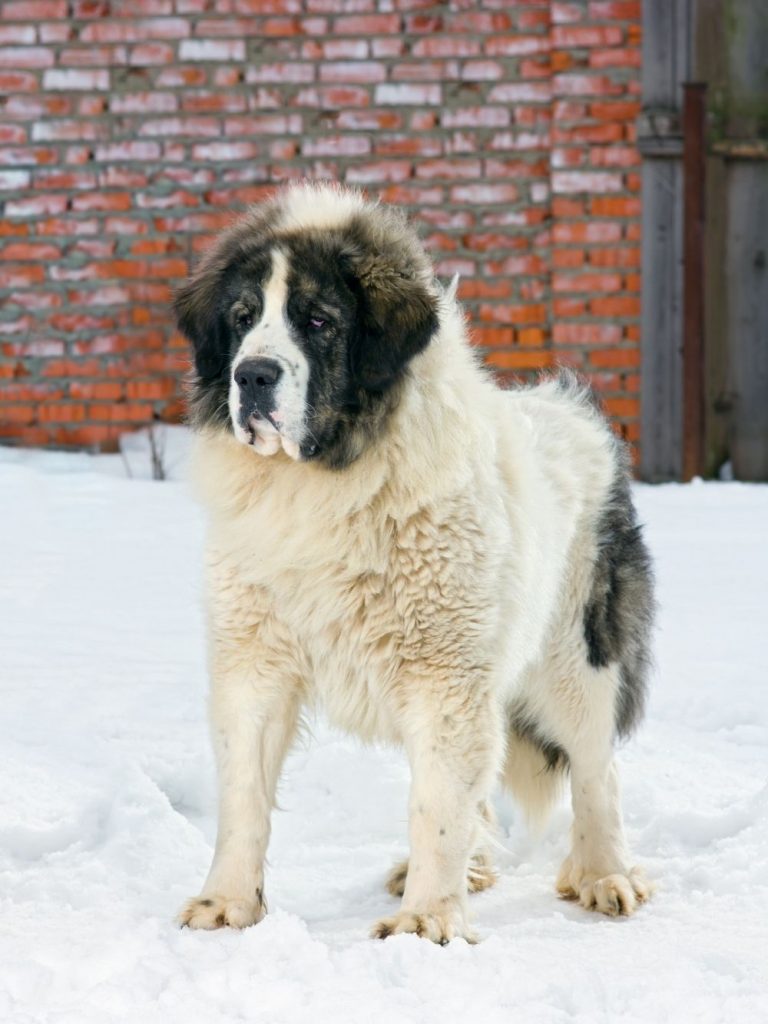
(438, 925)
(213, 911)
(613, 894)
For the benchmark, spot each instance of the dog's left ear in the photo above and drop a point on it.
(397, 318)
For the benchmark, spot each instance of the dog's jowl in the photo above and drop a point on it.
(434, 561)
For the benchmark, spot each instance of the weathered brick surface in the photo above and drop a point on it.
(131, 132)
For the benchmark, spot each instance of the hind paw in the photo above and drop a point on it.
(481, 874)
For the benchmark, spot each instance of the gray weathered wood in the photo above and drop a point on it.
(747, 280)
(710, 65)
(666, 64)
(661, 416)
(746, 254)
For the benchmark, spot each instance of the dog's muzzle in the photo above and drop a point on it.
(257, 380)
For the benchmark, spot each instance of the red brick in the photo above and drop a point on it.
(615, 206)
(366, 25)
(29, 251)
(369, 120)
(516, 46)
(446, 46)
(135, 31)
(520, 92)
(34, 10)
(566, 13)
(407, 94)
(72, 80)
(484, 193)
(18, 81)
(604, 10)
(615, 357)
(586, 84)
(614, 111)
(576, 36)
(488, 336)
(192, 127)
(586, 181)
(424, 71)
(99, 390)
(15, 57)
(382, 170)
(281, 73)
(147, 54)
(588, 231)
(216, 151)
(352, 71)
(615, 306)
(586, 334)
(615, 58)
(514, 314)
(586, 282)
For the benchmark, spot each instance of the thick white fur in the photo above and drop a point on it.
(415, 595)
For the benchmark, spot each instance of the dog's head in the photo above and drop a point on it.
(303, 318)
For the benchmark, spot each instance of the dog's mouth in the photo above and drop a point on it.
(265, 435)
(259, 422)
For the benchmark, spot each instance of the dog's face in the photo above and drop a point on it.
(301, 334)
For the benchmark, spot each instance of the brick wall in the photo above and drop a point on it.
(131, 130)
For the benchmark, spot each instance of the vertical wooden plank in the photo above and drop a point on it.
(666, 63)
(694, 130)
(747, 282)
(746, 253)
(710, 65)
(661, 423)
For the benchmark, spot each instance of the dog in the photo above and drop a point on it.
(435, 561)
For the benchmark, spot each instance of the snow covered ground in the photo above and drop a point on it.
(107, 798)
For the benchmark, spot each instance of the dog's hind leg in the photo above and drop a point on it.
(579, 713)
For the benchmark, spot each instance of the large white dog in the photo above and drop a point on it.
(433, 560)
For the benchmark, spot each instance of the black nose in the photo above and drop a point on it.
(255, 375)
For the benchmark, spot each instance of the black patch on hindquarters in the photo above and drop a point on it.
(618, 615)
(525, 727)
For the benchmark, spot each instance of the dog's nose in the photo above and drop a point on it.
(254, 376)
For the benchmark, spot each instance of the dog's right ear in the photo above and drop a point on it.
(198, 313)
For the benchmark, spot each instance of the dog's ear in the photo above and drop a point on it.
(397, 316)
(198, 313)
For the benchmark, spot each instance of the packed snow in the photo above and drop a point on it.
(107, 796)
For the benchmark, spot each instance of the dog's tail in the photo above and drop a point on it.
(535, 774)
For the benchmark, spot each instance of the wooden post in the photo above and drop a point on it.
(666, 63)
(694, 128)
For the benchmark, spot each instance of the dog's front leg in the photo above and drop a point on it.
(453, 748)
(255, 701)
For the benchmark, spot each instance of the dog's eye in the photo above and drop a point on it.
(316, 323)
(244, 321)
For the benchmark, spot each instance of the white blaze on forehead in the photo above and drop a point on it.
(271, 338)
(269, 335)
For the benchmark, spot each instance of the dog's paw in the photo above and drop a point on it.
(481, 874)
(210, 912)
(615, 894)
(438, 926)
